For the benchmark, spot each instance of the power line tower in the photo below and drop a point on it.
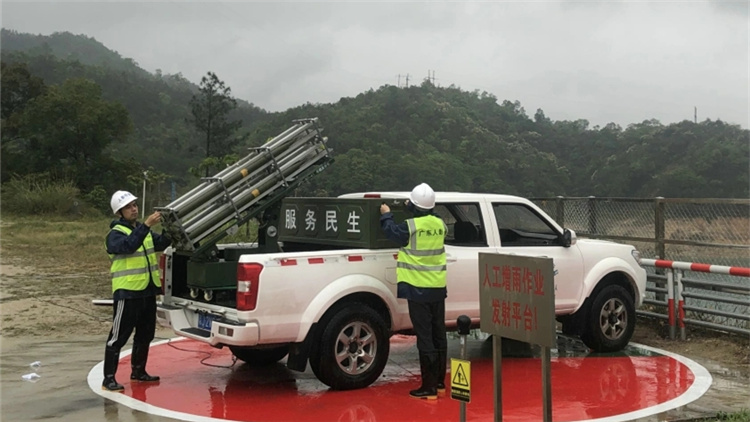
(406, 77)
(430, 77)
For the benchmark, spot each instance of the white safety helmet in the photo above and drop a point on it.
(423, 197)
(120, 199)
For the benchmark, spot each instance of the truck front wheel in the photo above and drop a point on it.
(611, 320)
(353, 348)
(260, 357)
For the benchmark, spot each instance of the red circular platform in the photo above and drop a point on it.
(613, 388)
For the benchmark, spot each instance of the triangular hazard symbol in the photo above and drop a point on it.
(459, 378)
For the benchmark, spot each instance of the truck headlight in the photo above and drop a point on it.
(636, 256)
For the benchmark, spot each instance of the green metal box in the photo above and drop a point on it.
(212, 275)
(353, 223)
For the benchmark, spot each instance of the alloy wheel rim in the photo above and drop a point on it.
(356, 348)
(613, 319)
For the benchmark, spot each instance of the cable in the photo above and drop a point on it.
(169, 340)
(74, 309)
(202, 361)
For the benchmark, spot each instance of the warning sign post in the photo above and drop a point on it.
(461, 369)
(517, 301)
(461, 380)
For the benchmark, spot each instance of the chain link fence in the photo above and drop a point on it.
(715, 231)
(712, 231)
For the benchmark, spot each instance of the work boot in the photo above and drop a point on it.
(441, 367)
(143, 376)
(138, 360)
(427, 366)
(111, 360)
(111, 384)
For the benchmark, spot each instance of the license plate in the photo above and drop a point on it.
(205, 320)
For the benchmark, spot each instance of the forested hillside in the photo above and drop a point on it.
(393, 137)
(385, 138)
(158, 105)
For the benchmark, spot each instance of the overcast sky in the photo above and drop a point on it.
(620, 62)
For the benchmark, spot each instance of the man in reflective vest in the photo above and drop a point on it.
(132, 248)
(421, 273)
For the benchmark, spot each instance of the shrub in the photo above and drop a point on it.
(99, 198)
(38, 194)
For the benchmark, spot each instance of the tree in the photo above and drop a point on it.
(68, 128)
(210, 116)
(18, 88)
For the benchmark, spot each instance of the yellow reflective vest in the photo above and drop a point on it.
(136, 270)
(421, 262)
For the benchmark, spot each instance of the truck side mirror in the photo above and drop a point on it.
(568, 238)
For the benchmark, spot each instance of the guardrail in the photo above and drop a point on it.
(712, 294)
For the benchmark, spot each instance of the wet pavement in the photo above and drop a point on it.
(63, 393)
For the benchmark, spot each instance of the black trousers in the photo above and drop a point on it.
(132, 314)
(428, 320)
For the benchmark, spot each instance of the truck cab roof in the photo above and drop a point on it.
(440, 196)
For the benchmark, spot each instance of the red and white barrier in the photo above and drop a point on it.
(674, 279)
(692, 266)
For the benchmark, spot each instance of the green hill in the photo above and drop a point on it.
(66, 46)
(393, 138)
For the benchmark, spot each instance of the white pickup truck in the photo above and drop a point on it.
(337, 308)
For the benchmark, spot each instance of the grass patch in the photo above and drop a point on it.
(67, 246)
(68, 256)
(741, 416)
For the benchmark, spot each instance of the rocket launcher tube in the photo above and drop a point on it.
(227, 212)
(199, 228)
(195, 226)
(202, 192)
(219, 196)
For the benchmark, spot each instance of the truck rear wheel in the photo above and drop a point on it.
(353, 348)
(260, 357)
(611, 320)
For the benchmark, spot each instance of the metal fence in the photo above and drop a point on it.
(713, 231)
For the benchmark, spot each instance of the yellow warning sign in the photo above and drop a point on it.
(461, 380)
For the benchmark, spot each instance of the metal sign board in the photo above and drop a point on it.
(461, 380)
(346, 222)
(517, 297)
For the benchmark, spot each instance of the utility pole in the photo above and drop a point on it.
(695, 116)
(407, 80)
(399, 81)
(143, 209)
